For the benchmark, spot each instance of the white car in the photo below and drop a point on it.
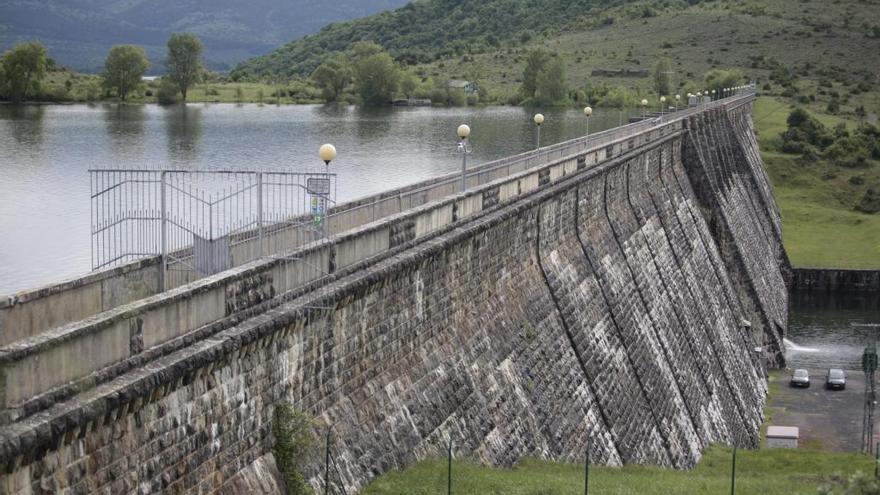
(835, 379)
(800, 378)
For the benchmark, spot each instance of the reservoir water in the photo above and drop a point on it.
(46, 151)
(831, 330)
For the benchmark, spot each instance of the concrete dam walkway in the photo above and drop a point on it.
(625, 292)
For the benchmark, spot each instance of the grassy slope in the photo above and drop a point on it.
(764, 471)
(820, 227)
(775, 471)
(717, 34)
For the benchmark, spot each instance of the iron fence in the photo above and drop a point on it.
(204, 222)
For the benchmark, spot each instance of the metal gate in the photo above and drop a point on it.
(202, 223)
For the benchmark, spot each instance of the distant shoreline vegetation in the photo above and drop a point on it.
(365, 75)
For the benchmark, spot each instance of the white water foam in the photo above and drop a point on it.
(791, 346)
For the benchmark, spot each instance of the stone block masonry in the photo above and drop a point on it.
(604, 308)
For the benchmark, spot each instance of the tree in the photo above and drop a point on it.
(550, 86)
(333, 76)
(376, 75)
(24, 67)
(409, 83)
(535, 63)
(662, 71)
(124, 68)
(2, 81)
(184, 62)
(720, 79)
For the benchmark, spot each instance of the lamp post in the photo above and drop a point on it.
(539, 119)
(588, 112)
(677, 102)
(662, 104)
(327, 153)
(464, 148)
(713, 95)
(644, 108)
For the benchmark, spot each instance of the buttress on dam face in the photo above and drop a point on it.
(626, 293)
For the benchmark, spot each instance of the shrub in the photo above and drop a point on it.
(833, 106)
(870, 203)
(167, 93)
(293, 445)
(857, 180)
(804, 128)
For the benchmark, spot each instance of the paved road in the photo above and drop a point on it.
(828, 419)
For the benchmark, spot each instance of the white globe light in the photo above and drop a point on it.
(644, 103)
(677, 97)
(539, 118)
(588, 111)
(327, 153)
(662, 99)
(464, 131)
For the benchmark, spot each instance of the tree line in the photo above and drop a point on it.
(24, 68)
(365, 73)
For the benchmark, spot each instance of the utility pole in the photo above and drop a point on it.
(869, 366)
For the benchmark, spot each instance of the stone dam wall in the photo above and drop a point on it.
(835, 280)
(614, 299)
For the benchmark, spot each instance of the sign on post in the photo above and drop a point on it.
(319, 209)
(318, 185)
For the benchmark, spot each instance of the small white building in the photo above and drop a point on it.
(782, 437)
(468, 87)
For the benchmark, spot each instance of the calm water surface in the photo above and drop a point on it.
(45, 152)
(831, 331)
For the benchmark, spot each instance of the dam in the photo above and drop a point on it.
(626, 291)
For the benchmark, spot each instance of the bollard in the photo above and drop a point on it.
(587, 470)
(449, 468)
(733, 472)
(327, 464)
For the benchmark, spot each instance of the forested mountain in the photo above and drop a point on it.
(425, 30)
(78, 33)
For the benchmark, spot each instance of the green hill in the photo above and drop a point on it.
(79, 33)
(489, 38)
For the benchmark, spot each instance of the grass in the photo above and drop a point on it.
(821, 229)
(758, 472)
(765, 471)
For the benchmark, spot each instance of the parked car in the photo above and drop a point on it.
(835, 379)
(800, 378)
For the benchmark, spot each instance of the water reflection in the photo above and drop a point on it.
(26, 124)
(374, 123)
(125, 132)
(828, 330)
(183, 127)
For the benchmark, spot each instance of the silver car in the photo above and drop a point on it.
(800, 378)
(835, 379)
